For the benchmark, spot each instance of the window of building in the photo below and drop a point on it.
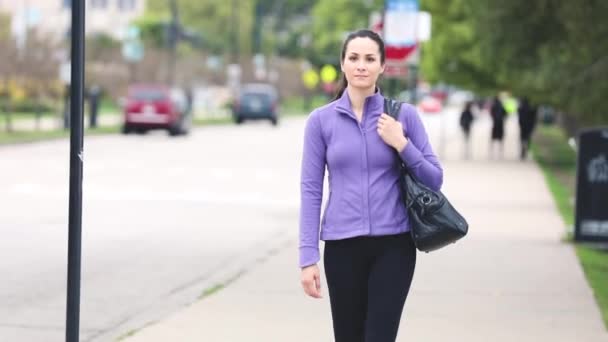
(126, 5)
(66, 3)
(98, 4)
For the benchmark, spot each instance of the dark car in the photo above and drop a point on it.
(256, 101)
(156, 106)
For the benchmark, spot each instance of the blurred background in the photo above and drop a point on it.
(194, 114)
(549, 51)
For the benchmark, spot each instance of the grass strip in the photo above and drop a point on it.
(558, 162)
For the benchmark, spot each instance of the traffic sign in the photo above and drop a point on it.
(133, 50)
(391, 70)
(328, 73)
(400, 29)
(310, 79)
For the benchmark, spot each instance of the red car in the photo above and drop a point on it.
(156, 106)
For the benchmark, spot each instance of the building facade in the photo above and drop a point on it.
(52, 17)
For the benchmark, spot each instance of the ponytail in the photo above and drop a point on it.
(341, 87)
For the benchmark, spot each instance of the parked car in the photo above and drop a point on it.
(156, 106)
(256, 101)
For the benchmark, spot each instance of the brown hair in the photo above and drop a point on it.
(358, 34)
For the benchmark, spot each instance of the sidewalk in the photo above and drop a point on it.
(511, 279)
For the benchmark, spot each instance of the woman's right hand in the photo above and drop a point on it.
(311, 281)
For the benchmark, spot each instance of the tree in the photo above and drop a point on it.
(548, 50)
(212, 19)
(332, 21)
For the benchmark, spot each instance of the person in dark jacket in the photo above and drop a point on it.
(498, 113)
(527, 121)
(466, 120)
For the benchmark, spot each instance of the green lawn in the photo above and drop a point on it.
(558, 162)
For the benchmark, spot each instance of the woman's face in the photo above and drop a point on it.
(361, 64)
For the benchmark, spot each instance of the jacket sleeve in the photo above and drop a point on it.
(311, 190)
(418, 154)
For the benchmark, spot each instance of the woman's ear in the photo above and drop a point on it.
(382, 68)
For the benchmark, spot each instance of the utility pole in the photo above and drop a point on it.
(236, 58)
(76, 163)
(257, 28)
(173, 37)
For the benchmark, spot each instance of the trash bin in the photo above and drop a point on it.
(591, 216)
(547, 115)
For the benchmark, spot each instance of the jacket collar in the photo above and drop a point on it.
(372, 102)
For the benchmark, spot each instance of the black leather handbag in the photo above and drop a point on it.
(434, 223)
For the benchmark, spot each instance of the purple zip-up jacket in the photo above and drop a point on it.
(363, 175)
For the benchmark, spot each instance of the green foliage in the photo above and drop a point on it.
(558, 162)
(212, 19)
(550, 50)
(332, 21)
(152, 28)
(595, 264)
(453, 54)
(5, 26)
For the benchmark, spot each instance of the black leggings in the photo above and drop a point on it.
(368, 280)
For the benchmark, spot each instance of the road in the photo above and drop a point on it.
(164, 219)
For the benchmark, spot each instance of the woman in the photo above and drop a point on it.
(369, 256)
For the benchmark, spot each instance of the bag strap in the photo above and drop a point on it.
(392, 108)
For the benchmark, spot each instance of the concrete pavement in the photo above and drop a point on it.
(511, 279)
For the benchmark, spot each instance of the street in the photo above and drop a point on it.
(191, 233)
(163, 218)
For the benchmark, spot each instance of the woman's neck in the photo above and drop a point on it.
(357, 97)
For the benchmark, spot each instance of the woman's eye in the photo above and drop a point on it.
(352, 58)
(370, 59)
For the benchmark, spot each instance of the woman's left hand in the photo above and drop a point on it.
(391, 132)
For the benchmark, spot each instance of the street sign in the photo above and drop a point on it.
(423, 30)
(328, 73)
(133, 50)
(132, 33)
(376, 22)
(391, 70)
(400, 35)
(400, 19)
(65, 72)
(132, 46)
(310, 79)
(591, 218)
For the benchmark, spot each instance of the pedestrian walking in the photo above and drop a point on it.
(527, 122)
(498, 113)
(466, 120)
(369, 255)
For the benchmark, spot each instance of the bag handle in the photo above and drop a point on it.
(392, 108)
